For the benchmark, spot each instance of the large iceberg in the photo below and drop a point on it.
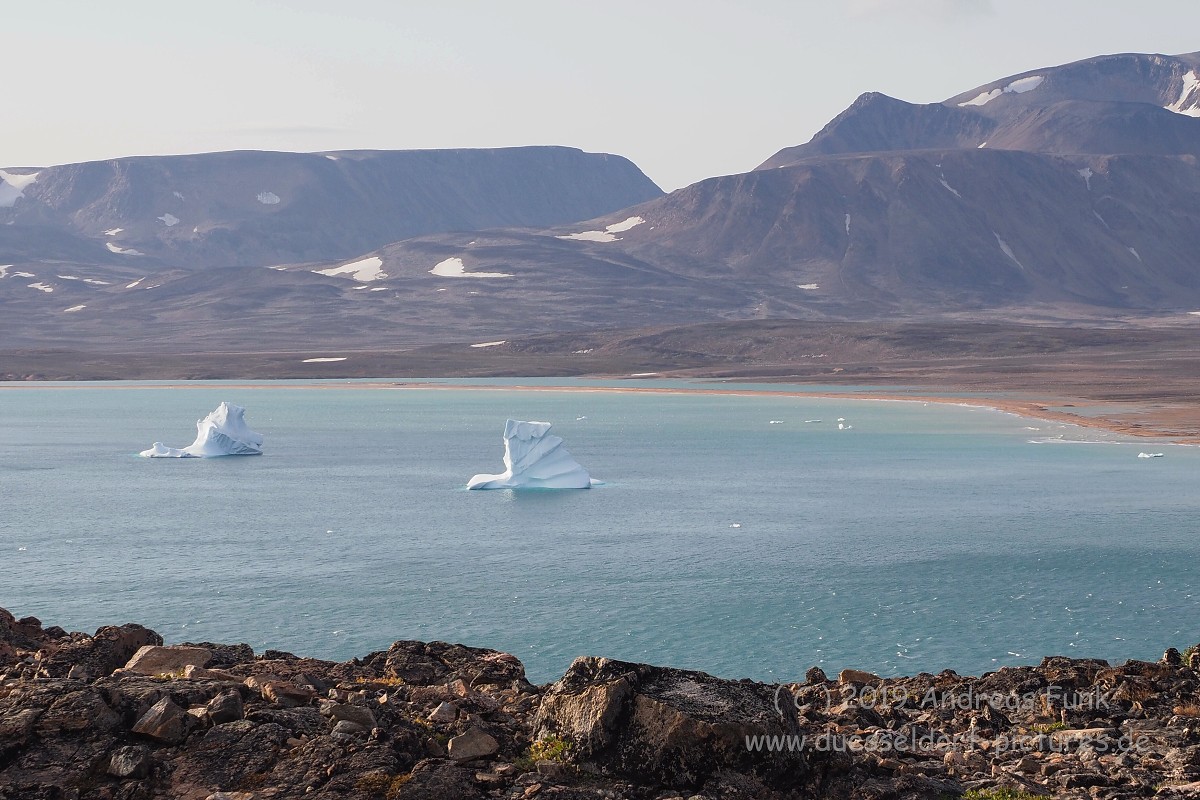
(222, 433)
(534, 458)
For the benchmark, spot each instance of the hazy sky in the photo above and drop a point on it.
(686, 88)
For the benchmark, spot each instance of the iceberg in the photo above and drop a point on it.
(222, 433)
(534, 458)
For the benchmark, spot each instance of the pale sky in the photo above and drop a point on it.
(687, 89)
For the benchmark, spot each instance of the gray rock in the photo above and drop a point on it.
(152, 660)
(350, 713)
(133, 761)
(472, 745)
(445, 712)
(345, 726)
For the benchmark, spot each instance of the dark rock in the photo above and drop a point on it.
(425, 663)
(109, 650)
(132, 761)
(225, 707)
(815, 675)
(165, 721)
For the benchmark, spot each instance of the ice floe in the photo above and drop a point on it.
(268, 198)
(12, 187)
(367, 269)
(168, 219)
(1188, 102)
(534, 458)
(453, 268)
(606, 235)
(1150, 455)
(1019, 86)
(222, 433)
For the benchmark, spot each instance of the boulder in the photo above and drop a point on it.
(165, 721)
(668, 726)
(350, 713)
(133, 761)
(445, 712)
(857, 676)
(426, 663)
(226, 707)
(157, 660)
(472, 745)
(102, 654)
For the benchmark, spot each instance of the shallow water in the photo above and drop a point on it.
(925, 537)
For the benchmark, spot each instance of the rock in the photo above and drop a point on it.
(426, 663)
(18, 724)
(226, 707)
(78, 711)
(133, 761)
(157, 660)
(286, 695)
(1171, 658)
(102, 654)
(345, 726)
(472, 745)
(445, 712)
(857, 676)
(668, 726)
(193, 673)
(78, 673)
(165, 721)
(815, 675)
(357, 714)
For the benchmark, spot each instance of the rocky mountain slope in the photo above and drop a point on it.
(260, 208)
(118, 715)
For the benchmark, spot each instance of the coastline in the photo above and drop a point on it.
(1031, 409)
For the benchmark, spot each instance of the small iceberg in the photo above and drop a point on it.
(222, 433)
(534, 458)
(1150, 455)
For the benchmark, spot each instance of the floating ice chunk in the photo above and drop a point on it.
(844, 427)
(222, 433)
(12, 187)
(367, 269)
(1150, 455)
(168, 219)
(775, 422)
(810, 421)
(268, 198)
(453, 268)
(534, 458)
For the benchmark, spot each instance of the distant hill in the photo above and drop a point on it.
(255, 208)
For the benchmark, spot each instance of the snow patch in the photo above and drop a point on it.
(1086, 173)
(808, 286)
(1019, 86)
(491, 344)
(125, 251)
(367, 269)
(24, 275)
(1135, 254)
(177, 194)
(170, 220)
(74, 308)
(453, 268)
(1189, 94)
(113, 231)
(323, 360)
(1096, 214)
(605, 235)
(134, 284)
(847, 224)
(953, 191)
(4, 270)
(379, 289)
(268, 198)
(1007, 250)
(41, 287)
(12, 187)
(981, 145)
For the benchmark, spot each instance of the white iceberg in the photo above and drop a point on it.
(534, 458)
(222, 433)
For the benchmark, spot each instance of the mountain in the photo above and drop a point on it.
(1062, 194)
(261, 208)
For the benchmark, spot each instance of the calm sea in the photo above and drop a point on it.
(923, 537)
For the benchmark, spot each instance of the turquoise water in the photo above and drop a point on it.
(924, 537)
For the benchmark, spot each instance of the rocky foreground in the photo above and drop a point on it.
(118, 715)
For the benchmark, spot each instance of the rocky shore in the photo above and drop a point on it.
(117, 716)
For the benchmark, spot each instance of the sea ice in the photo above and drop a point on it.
(222, 433)
(534, 458)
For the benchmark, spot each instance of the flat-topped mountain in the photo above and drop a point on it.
(255, 208)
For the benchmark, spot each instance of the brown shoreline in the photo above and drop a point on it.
(1022, 408)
